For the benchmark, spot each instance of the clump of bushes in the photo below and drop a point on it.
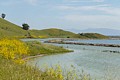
(13, 49)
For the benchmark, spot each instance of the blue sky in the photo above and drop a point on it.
(64, 14)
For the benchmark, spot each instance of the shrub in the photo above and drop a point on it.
(3, 15)
(25, 26)
(13, 49)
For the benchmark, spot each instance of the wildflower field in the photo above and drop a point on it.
(13, 66)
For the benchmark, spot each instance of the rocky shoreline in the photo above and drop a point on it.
(60, 41)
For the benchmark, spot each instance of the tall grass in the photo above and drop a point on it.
(37, 48)
(12, 71)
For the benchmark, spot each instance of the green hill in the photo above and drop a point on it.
(59, 33)
(93, 36)
(8, 29)
(53, 32)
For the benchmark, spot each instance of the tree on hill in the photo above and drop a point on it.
(25, 26)
(3, 15)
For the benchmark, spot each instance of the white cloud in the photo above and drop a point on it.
(98, 0)
(105, 8)
(85, 0)
(104, 15)
(90, 18)
(16, 2)
(9, 3)
(81, 7)
(113, 11)
(93, 20)
(32, 2)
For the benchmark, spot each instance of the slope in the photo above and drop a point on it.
(54, 33)
(59, 33)
(8, 29)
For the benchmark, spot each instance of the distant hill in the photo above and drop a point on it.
(53, 32)
(59, 33)
(93, 35)
(105, 31)
(8, 29)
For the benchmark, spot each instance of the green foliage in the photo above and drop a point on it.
(12, 71)
(3, 15)
(25, 26)
(54, 33)
(68, 37)
(37, 48)
(8, 29)
(93, 35)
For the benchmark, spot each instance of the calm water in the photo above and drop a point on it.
(91, 59)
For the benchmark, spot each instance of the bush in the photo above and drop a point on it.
(13, 49)
(25, 26)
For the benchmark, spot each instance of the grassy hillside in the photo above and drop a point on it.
(93, 36)
(8, 29)
(53, 32)
(59, 33)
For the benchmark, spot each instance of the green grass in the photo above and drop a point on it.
(54, 33)
(37, 48)
(93, 36)
(59, 33)
(8, 29)
(13, 71)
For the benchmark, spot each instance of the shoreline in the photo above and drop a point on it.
(80, 43)
(32, 57)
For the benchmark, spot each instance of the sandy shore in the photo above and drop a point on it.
(31, 57)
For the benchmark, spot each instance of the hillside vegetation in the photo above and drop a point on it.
(93, 36)
(59, 33)
(53, 32)
(8, 29)
(37, 48)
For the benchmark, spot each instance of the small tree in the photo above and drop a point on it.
(25, 26)
(3, 15)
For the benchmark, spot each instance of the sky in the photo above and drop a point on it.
(63, 14)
